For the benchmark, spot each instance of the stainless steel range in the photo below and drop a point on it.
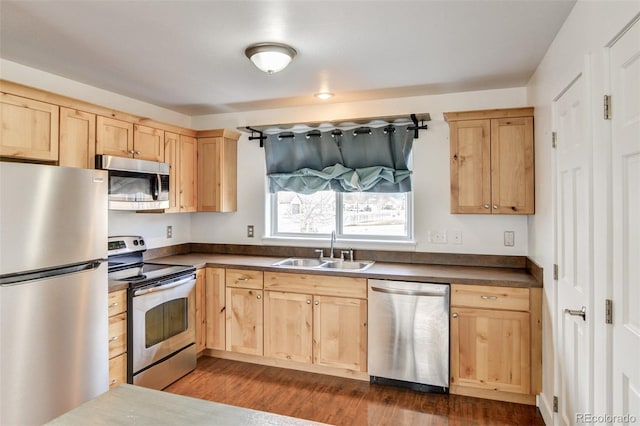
(161, 314)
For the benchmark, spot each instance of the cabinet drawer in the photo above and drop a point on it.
(490, 297)
(117, 302)
(244, 278)
(117, 370)
(322, 285)
(117, 335)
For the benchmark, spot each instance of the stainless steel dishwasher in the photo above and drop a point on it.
(409, 334)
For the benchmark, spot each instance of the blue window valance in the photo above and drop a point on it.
(365, 159)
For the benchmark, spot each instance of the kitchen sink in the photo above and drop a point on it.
(316, 263)
(346, 264)
(300, 262)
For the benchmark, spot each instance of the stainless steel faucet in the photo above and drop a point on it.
(333, 240)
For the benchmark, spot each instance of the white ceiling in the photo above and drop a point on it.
(188, 56)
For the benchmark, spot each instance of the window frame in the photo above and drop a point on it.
(339, 224)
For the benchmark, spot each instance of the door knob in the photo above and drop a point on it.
(578, 313)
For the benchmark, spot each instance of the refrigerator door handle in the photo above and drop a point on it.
(21, 278)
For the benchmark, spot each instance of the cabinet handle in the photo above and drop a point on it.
(489, 297)
(317, 302)
(114, 381)
(131, 151)
(308, 302)
(486, 206)
(243, 279)
(113, 305)
(259, 297)
(113, 339)
(454, 315)
(495, 206)
(137, 152)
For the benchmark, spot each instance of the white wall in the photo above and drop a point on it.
(151, 226)
(583, 37)
(480, 233)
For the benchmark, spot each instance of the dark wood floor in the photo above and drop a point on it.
(340, 401)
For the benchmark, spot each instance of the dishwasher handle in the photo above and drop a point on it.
(442, 293)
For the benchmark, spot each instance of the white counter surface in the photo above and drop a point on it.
(134, 405)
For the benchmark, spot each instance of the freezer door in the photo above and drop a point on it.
(51, 216)
(54, 351)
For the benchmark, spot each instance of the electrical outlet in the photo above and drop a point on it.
(456, 237)
(509, 238)
(250, 231)
(438, 237)
(169, 231)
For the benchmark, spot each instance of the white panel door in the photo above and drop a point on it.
(625, 95)
(574, 250)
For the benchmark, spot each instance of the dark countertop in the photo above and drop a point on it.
(506, 277)
(134, 405)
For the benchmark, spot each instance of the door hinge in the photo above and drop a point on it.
(555, 271)
(555, 404)
(554, 139)
(607, 107)
(608, 311)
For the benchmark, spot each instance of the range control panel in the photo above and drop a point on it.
(125, 244)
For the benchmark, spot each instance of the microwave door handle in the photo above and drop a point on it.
(158, 186)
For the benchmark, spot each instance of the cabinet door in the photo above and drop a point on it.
(244, 320)
(217, 169)
(216, 308)
(340, 332)
(470, 166)
(117, 370)
(512, 182)
(490, 349)
(29, 129)
(201, 303)
(117, 335)
(287, 326)
(148, 143)
(188, 174)
(114, 137)
(77, 138)
(172, 157)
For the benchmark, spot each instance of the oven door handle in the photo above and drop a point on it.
(164, 287)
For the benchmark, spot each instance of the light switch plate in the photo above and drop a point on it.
(509, 238)
(169, 231)
(250, 231)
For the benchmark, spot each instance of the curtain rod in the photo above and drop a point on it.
(416, 120)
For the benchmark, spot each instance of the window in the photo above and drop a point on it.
(353, 215)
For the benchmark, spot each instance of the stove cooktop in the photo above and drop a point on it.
(146, 273)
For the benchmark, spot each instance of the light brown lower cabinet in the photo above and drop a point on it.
(215, 309)
(495, 342)
(307, 323)
(244, 311)
(117, 302)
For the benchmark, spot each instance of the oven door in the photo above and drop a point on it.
(163, 321)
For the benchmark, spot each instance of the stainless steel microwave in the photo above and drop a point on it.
(135, 184)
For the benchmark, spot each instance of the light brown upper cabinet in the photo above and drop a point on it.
(29, 128)
(77, 138)
(181, 154)
(124, 139)
(492, 170)
(217, 171)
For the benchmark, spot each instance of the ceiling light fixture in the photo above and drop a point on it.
(270, 57)
(324, 95)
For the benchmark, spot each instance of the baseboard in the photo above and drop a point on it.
(292, 365)
(518, 398)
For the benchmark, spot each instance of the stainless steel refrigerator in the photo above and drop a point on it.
(53, 290)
